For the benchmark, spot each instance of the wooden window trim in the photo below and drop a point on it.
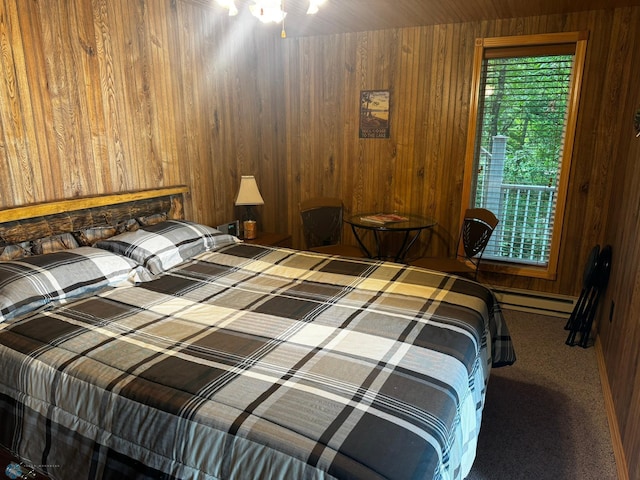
(500, 45)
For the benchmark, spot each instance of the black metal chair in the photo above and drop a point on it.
(594, 282)
(587, 282)
(322, 227)
(477, 227)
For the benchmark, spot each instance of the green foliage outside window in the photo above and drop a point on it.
(529, 107)
(525, 100)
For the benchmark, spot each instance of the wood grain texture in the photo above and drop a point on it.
(111, 96)
(45, 227)
(65, 206)
(619, 328)
(107, 96)
(420, 168)
(616, 438)
(368, 15)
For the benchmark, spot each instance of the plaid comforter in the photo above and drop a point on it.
(256, 363)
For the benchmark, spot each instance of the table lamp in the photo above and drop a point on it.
(248, 196)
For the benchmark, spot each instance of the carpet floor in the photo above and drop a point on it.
(544, 416)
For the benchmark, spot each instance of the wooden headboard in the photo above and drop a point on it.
(25, 224)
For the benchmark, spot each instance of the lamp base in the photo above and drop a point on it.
(250, 229)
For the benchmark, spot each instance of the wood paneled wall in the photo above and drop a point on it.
(420, 168)
(109, 96)
(619, 325)
(114, 95)
(118, 95)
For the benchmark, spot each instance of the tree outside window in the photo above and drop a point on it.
(520, 141)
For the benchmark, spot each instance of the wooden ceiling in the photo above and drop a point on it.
(340, 16)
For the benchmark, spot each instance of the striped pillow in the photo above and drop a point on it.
(163, 245)
(33, 282)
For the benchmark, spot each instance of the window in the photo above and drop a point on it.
(521, 129)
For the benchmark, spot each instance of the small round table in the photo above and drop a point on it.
(411, 225)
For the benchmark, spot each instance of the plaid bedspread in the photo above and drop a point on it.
(256, 363)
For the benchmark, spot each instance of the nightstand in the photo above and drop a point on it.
(271, 239)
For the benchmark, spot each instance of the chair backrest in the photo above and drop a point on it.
(477, 227)
(589, 274)
(603, 269)
(321, 221)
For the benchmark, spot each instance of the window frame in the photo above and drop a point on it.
(541, 44)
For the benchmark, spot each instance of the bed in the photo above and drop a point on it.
(135, 344)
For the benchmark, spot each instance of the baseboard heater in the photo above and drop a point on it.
(536, 302)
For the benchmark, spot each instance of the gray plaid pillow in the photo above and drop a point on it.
(33, 282)
(163, 245)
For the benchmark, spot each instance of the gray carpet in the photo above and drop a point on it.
(544, 416)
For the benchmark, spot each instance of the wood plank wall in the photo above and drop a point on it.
(119, 95)
(619, 326)
(115, 95)
(420, 168)
(88, 107)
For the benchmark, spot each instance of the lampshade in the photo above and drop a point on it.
(248, 193)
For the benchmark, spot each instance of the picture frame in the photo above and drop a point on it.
(374, 113)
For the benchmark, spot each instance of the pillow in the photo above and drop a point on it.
(64, 241)
(11, 252)
(161, 246)
(89, 236)
(152, 219)
(33, 282)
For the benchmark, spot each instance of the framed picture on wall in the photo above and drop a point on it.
(374, 113)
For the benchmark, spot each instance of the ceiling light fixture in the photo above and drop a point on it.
(313, 6)
(268, 11)
(229, 5)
